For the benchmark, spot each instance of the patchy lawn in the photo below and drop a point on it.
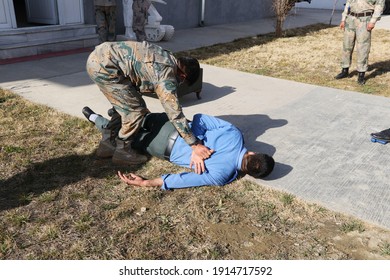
(57, 201)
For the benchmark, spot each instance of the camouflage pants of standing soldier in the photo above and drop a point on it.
(356, 35)
(105, 21)
(140, 17)
(119, 91)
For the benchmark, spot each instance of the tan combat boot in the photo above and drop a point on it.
(125, 155)
(107, 145)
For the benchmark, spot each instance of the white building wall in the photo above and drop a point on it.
(323, 4)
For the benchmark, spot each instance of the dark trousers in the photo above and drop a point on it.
(153, 137)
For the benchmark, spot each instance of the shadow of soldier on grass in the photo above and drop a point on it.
(378, 69)
(52, 174)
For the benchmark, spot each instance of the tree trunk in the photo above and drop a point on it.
(279, 27)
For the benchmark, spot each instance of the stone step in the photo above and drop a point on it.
(21, 35)
(46, 39)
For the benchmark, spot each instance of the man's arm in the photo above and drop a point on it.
(135, 180)
(378, 10)
(202, 123)
(176, 181)
(346, 10)
(166, 92)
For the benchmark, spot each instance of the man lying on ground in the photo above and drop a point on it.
(158, 137)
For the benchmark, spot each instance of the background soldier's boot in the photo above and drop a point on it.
(106, 147)
(343, 74)
(361, 80)
(125, 155)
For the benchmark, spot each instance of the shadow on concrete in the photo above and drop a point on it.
(63, 70)
(53, 174)
(280, 170)
(209, 93)
(252, 127)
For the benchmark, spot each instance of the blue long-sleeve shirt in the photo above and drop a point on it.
(223, 165)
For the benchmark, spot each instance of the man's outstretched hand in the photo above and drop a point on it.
(138, 181)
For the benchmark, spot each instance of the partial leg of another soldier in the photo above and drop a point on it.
(348, 46)
(363, 45)
(126, 100)
(111, 21)
(101, 23)
(140, 17)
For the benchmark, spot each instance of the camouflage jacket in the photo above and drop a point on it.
(104, 2)
(359, 6)
(151, 69)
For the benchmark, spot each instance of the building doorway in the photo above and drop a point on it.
(26, 15)
(35, 12)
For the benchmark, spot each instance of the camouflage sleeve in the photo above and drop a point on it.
(378, 10)
(346, 9)
(166, 92)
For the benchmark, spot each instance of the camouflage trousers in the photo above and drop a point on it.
(119, 91)
(140, 18)
(105, 21)
(356, 36)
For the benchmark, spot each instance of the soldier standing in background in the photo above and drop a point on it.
(140, 18)
(124, 71)
(357, 21)
(105, 13)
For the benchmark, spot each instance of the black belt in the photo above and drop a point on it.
(171, 140)
(364, 14)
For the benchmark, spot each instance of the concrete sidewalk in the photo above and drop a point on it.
(318, 136)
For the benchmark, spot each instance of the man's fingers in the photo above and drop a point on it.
(200, 168)
(210, 152)
(126, 179)
(120, 175)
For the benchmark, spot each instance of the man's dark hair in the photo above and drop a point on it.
(260, 165)
(191, 68)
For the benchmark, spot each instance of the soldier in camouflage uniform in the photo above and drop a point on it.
(105, 13)
(357, 21)
(140, 17)
(124, 71)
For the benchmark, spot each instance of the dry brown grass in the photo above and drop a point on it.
(57, 201)
(309, 55)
